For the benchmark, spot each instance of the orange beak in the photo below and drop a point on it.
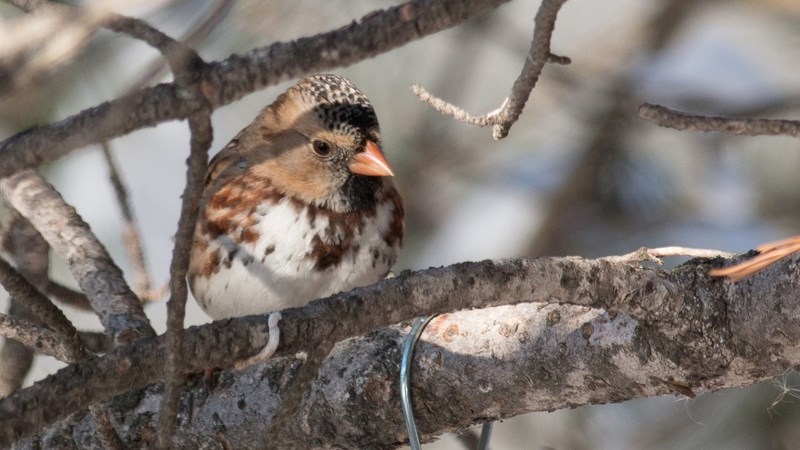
(371, 162)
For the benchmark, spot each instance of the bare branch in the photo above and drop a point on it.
(61, 226)
(539, 54)
(30, 253)
(645, 294)
(201, 138)
(63, 342)
(40, 307)
(517, 365)
(678, 120)
(130, 232)
(198, 32)
(233, 78)
(655, 254)
(454, 111)
(36, 337)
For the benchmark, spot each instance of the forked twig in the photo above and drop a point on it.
(508, 113)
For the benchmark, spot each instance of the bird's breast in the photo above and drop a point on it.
(276, 253)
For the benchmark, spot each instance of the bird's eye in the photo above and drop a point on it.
(321, 148)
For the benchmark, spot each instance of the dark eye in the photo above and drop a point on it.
(321, 148)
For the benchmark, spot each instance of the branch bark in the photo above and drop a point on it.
(670, 118)
(61, 226)
(729, 336)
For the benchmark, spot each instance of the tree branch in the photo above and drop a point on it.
(44, 310)
(723, 326)
(30, 253)
(117, 307)
(504, 117)
(670, 118)
(62, 339)
(491, 363)
(130, 232)
(36, 337)
(201, 138)
(231, 79)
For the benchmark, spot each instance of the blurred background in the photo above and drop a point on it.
(579, 174)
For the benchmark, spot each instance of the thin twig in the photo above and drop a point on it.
(454, 111)
(130, 232)
(678, 120)
(508, 113)
(131, 235)
(201, 138)
(655, 254)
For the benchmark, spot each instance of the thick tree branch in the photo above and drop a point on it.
(497, 362)
(233, 78)
(61, 226)
(670, 118)
(729, 324)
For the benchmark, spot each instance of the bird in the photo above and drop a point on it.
(768, 254)
(300, 205)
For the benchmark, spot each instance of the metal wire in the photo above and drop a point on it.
(486, 434)
(405, 393)
(405, 377)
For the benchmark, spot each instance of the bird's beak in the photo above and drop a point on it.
(371, 162)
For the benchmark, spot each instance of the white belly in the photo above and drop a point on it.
(278, 270)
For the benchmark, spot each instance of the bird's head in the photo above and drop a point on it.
(320, 142)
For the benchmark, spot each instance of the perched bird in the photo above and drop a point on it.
(769, 254)
(299, 205)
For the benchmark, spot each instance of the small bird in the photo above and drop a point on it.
(299, 205)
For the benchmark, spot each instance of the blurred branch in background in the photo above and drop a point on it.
(45, 41)
(579, 200)
(678, 120)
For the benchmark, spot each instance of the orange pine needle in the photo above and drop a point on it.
(771, 252)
